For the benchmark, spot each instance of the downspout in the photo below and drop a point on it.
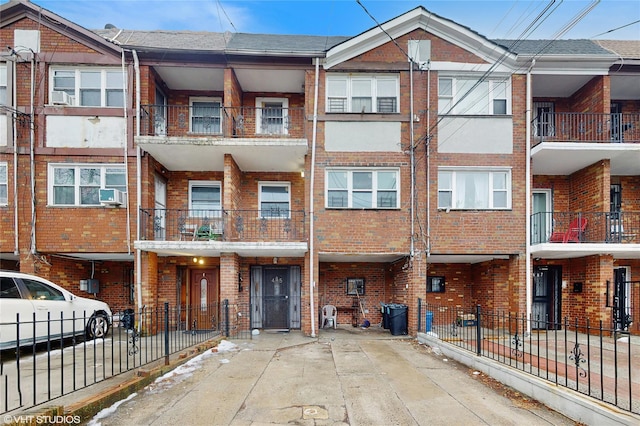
(136, 67)
(412, 155)
(528, 198)
(428, 154)
(16, 247)
(312, 202)
(126, 147)
(32, 155)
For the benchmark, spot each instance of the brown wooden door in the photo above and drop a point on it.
(203, 299)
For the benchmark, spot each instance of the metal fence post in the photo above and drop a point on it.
(166, 333)
(478, 332)
(226, 317)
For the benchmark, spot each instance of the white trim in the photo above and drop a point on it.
(76, 97)
(285, 114)
(262, 184)
(490, 170)
(102, 166)
(202, 183)
(374, 189)
(6, 181)
(211, 99)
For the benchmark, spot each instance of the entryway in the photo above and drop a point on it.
(547, 297)
(275, 297)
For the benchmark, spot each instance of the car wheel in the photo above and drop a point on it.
(98, 326)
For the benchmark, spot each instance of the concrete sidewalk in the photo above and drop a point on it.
(346, 376)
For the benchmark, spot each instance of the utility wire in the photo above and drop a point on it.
(219, 4)
(616, 29)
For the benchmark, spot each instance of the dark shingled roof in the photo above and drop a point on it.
(553, 47)
(282, 43)
(171, 40)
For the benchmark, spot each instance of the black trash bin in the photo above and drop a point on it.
(385, 315)
(398, 319)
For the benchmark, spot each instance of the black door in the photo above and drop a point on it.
(547, 297)
(621, 311)
(276, 298)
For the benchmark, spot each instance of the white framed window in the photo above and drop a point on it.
(87, 86)
(272, 116)
(80, 184)
(362, 188)
(363, 93)
(3, 84)
(206, 115)
(205, 198)
(274, 199)
(468, 188)
(471, 96)
(4, 183)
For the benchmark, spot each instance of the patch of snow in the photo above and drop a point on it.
(226, 346)
(106, 412)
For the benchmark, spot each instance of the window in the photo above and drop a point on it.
(435, 284)
(544, 119)
(205, 199)
(355, 286)
(206, 115)
(89, 86)
(362, 93)
(4, 184)
(471, 96)
(79, 185)
(272, 116)
(275, 199)
(3, 84)
(469, 188)
(41, 291)
(362, 189)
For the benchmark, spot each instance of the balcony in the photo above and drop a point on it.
(221, 122)
(574, 234)
(222, 225)
(184, 138)
(586, 127)
(564, 143)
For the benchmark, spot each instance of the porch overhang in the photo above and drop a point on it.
(215, 248)
(565, 158)
(343, 257)
(575, 250)
(207, 154)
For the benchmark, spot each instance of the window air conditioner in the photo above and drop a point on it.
(59, 97)
(112, 197)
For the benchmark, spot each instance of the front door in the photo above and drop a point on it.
(547, 293)
(541, 219)
(276, 298)
(203, 298)
(621, 299)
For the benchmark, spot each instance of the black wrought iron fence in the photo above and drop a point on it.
(600, 362)
(34, 374)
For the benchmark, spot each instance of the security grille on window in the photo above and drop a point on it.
(474, 189)
(472, 96)
(87, 87)
(362, 94)
(362, 189)
(4, 184)
(79, 185)
(275, 200)
(206, 116)
(435, 284)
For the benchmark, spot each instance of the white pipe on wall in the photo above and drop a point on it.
(136, 67)
(528, 271)
(312, 312)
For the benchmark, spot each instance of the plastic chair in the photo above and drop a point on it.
(572, 235)
(329, 316)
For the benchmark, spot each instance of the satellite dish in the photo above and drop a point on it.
(109, 27)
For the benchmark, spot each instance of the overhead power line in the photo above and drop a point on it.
(616, 29)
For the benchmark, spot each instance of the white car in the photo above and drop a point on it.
(58, 312)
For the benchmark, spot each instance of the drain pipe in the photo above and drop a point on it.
(136, 67)
(528, 198)
(312, 201)
(16, 247)
(126, 147)
(32, 130)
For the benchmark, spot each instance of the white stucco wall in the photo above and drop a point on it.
(85, 132)
(351, 136)
(476, 135)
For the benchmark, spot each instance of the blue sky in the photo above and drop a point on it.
(493, 19)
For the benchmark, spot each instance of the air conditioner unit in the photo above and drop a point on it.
(112, 197)
(59, 97)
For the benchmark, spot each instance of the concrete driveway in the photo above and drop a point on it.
(348, 376)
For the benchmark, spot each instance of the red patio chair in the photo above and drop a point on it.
(571, 235)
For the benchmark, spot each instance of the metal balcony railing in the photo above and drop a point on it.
(585, 227)
(587, 127)
(222, 225)
(219, 121)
